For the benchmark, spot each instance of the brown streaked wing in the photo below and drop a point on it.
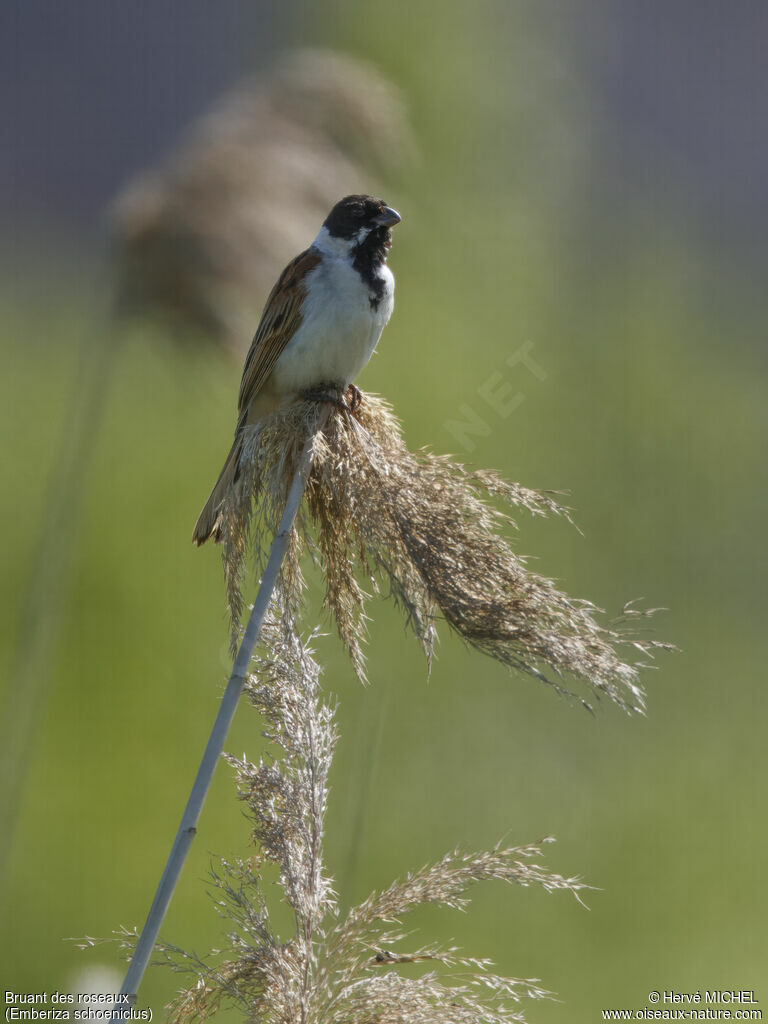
(280, 320)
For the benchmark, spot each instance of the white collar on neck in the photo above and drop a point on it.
(339, 247)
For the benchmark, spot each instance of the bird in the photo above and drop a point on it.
(320, 326)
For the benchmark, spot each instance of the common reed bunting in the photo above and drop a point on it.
(319, 328)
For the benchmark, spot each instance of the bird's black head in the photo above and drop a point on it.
(363, 220)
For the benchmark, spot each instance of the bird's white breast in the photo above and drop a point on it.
(339, 329)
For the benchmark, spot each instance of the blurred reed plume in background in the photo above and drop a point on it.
(425, 527)
(197, 240)
(331, 970)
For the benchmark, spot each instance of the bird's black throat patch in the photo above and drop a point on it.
(368, 257)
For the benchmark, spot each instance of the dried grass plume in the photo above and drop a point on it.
(334, 969)
(430, 533)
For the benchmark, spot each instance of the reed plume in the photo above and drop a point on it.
(334, 968)
(429, 532)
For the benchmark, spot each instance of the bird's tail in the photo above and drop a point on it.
(209, 521)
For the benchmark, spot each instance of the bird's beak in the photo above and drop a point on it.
(388, 217)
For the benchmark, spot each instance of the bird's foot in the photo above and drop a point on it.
(330, 393)
(354, 397)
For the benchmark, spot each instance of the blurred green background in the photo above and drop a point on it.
(590, 186)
